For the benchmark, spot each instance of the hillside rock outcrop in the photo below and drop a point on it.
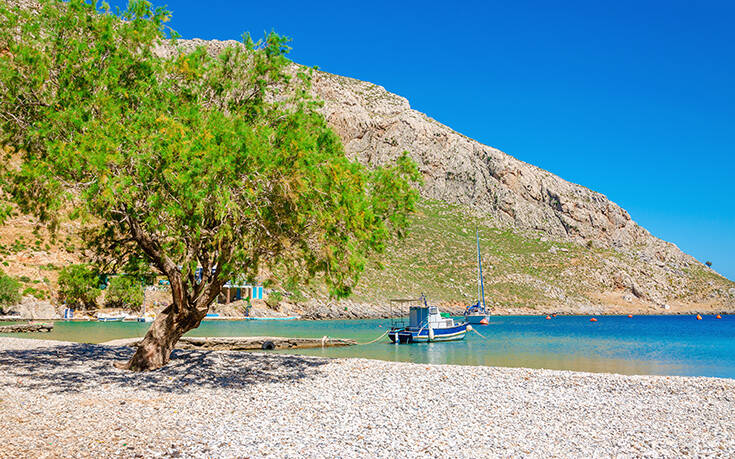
(377, 126)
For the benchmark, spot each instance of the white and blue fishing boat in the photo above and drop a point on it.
(426, 324)
(114, 317)
(476, 313)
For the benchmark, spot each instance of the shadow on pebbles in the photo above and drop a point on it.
(67, 400)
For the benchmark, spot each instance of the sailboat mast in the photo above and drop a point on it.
(480, 283)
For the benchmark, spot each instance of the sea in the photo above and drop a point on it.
(645, 345)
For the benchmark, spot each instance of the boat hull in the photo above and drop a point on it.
(407, 335)
(476, 319)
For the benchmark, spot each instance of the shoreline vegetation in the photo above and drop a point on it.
(224, 406)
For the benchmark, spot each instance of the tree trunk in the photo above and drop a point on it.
(155, 349)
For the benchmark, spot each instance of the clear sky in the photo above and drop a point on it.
(634, 99)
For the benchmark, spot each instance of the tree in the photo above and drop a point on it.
(9, 291)
(79, 286)
(124, 292)
(190, 161)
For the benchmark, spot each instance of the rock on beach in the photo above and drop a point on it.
(62, 399)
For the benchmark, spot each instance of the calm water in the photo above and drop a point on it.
(667, 345)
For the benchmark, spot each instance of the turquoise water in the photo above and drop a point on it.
(665, 345)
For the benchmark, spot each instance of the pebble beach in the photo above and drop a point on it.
(60, 399)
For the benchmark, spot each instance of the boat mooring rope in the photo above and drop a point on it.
(481, 335)
(376, 339)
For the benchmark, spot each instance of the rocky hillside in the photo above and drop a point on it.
(549, 245)
(623, 263)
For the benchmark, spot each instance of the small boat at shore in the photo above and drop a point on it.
(426, 324)
(147, 317)
(113, 317)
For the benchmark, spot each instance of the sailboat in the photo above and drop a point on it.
(476, 313)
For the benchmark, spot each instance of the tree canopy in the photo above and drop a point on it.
(186, 160)
(79, 286)
(9, 291)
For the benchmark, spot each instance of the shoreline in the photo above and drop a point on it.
(4, 319)
(233, 403)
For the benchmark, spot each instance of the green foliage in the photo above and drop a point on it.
(9, 290)
(35, 292)
(124, 292)
(294, 290)
(273, 298)
(192, 160)
(78, 286)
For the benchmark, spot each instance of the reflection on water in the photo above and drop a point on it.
(670, 345)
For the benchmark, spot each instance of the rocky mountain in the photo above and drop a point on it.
(549, 245)
(625, 267)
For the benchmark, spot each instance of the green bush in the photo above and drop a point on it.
(9, 290)
(78, 286)
(37, 293)
(124, 292)
(273, 299)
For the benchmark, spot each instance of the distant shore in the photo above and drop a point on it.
(514, 312)
(225, 404)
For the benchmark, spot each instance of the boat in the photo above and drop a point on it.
(426, 324)
(114, 317)
(476, 313)
(147, 317)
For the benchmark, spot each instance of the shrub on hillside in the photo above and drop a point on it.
(9, 291)
(78, 286)
(124, 292)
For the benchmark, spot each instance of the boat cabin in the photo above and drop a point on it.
(423, 316)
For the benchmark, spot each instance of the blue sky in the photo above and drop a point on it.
(633, 99)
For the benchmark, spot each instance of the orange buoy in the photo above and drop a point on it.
(718, 316)
(630, 316)
(548, 317)
(484, 321)
(593, 320)
(699, 317)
